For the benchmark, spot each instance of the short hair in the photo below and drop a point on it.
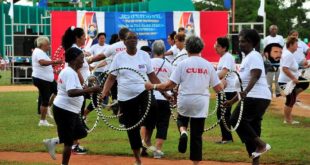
(72, 53)
(158, 47)
(251, 36)
(180, 37)
(40, 40)
(114, 39)
(181, 29)
(223, 42)
(292, 31)
(194, 44)
(101, 34)
(273, 26)
(269, 47)
(290, 41)
(122, 33)
(171, 35)
(69, 38)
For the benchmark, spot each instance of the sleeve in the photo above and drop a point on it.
(149, 68)
(287, 61)
(256, 62)
(176, 74)
(109, 51)
(170, 69)
(228, 64)
(92, 50)
(70, 81)
(282, 41)
(305, 47)
(265, 42)
(114, 65)
(214, 79)
(42, 56)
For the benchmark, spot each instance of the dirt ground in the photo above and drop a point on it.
(301, 109)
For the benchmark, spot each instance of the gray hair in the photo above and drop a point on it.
(41, 40)
(273, 26)
(158, 47)
(194, 44)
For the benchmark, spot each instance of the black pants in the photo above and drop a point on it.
(133, 110)
(196, 130)
(69, 126)
(250, 125)
(226, 135)
(163, 113)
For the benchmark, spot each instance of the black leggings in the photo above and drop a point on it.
(163, 113)
(250, 124)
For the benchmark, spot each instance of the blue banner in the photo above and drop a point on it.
(148, 26)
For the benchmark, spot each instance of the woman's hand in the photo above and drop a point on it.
(295, 80)
(228, 103)
(148, 86)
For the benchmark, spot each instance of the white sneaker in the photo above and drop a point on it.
(49, 113)
(45, 123)
(149, 148)
(158, 154)
(50, 145)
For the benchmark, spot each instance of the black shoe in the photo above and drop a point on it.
(144, 153)
(182, 143)
(79, 150)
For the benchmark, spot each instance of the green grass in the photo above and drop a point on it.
(19, 132)
(5, 77)
(21, 163)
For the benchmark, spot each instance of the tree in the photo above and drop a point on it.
(286, 18)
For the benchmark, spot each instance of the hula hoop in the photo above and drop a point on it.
(105, 119)
(177, 57)
(241, 108)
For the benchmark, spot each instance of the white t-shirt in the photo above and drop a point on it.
(254, 60)
(174, 51)
(182, 55)
(68, 79)
(194, 76)
(288, 60)
(115, 48)
(300, 53)
(277, 39)
(96, 50)
(130, 84)
(164, 70)
(227, 61)
(39, 71)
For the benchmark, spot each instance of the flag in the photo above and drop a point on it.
(261, 9)
(11, 10)
(43, 3)
(227, 4)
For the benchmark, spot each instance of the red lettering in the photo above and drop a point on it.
(161, 70)
(197, 70)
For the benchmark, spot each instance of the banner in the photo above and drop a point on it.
(92, 23)
(148, 26)
(188, 20)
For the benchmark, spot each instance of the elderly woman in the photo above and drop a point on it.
(163, 70)
(256, 96)
(194, 75)
(67, 105)
(179, 40)
(132, 95)
(43, 76)
(289, 72)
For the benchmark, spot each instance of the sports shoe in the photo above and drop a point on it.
(50, 145)
(257, 154)
(158, 154)
(79, 150)
(293, 122)
(49, 113)
(149, 148)
(45, 123)
(183, 143)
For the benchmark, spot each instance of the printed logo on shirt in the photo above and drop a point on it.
(141, 66)
(197, 70)
(60, 81)
(119, 49)
(241, 70)
(160, 70)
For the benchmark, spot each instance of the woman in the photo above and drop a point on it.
(43, 76)
(163, 70)
(194, 75)
(289, 72)
(132, 96)
(179, 40)
(226, 64)
(256, 96)
(301, 51)
(75, 37)
(67, 105)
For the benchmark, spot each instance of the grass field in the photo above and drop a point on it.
(19, 132)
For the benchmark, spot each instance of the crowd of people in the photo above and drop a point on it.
(178, 75)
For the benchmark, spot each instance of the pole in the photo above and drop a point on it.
(233, 15)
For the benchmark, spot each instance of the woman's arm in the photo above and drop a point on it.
(47, 63)
(80, 92)
(108, 85)
(288, 73)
